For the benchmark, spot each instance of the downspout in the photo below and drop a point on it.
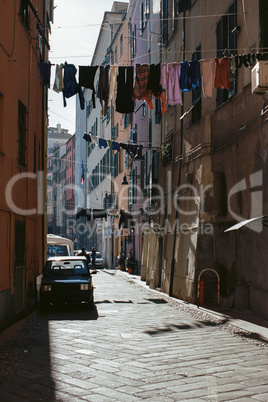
(179, 177)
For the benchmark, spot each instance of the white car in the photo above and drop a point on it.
(99, 260)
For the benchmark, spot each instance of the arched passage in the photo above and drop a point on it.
(218, 280)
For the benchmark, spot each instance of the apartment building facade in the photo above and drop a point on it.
(23, 138)
(216, 166)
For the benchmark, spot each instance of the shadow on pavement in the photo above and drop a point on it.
(174, 327)
(71, 312)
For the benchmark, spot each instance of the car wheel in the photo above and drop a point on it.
(91, 304)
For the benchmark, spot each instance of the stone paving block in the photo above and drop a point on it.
(230, 396)
(114, 394)
(261, 397)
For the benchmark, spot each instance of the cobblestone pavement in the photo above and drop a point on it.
(136, 345)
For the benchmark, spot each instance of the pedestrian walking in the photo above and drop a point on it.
(93, 257)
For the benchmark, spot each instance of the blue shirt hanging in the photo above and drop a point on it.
(116, 146)
(102, 143)
(194, 72)
(185, 85)
(71, 86)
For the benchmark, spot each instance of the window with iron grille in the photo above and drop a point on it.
(22, 134)
(227, 46)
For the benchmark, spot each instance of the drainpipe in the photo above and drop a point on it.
(179, 177)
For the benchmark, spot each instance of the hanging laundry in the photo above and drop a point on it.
(123, 145)
(116, 146)
(99, 213)
(45, 72)
(170, 77)
(113, 84)
(246, 60)
(86, 79)
(58, 82)
(103, 143)
(154, 88)
(71, 86)
(125, 220)
(124, 102)
(83, 212)
(131, 149)
(94, 140)
(232, 69)
(221, 78)
(238, 61)
(87, 137)
(103, 88)
(185, 83)
(207, 75)
(109, 143)
(141, 81)
(194, 74)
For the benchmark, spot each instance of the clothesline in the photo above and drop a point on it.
(122, 85)
(131, 149)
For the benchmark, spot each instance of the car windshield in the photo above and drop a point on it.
(68, 267)
(98, 255)
(57, 250)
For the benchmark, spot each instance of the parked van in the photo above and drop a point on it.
(59, 246)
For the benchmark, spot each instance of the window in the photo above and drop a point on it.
(196, 93)
(115, 55)
(165, 21)
(127, 119)
(150, 132)
(133, 135)
(130, 188)
(157, 111)
(144, 14)
(116, 131)
(142, 22)
(147, 9)
(143, 109)
(24, 13)
(121, 45)
(133, 43)
(126, 158)
(183, 5)
(175, 14)
(227, 45)
(108, 116)
(135, 171)
(145, 177)
(22, 133)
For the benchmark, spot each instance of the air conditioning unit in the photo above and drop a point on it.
(259, 77)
